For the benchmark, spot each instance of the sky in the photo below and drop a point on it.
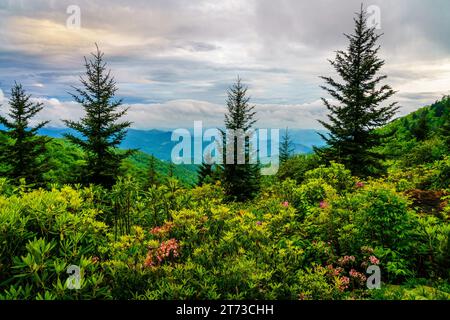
(173, 60)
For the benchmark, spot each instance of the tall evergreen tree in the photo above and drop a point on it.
(286, 147)
(24, 152)
(171, 170)
(241, 181)
(208, 174)
(101, 132)
(421, 128)
(446, 132)
(351, 139)
(445, 128)
(205, 173)
(152, 173)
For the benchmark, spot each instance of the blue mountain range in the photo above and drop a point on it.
(159, 144)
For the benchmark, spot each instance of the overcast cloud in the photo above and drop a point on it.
(174, 60)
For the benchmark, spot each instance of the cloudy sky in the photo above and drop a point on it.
(173, 60)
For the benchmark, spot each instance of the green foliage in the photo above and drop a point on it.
(296, 167)
(312, 240)
(241, 181)
(66, 162)
(139, 163)
(421, 128)
(101, 133)
(207, 174)
(286, 147)
(152, 174)
(442, 175)
(427, 151)
(406, 148)
(22, 150)
(434, 247)
(353, 120)
(41, 234)
(336, 175)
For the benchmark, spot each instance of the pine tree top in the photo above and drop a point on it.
(241, 115)
(21, 110)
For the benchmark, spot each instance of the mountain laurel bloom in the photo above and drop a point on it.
(323, 204)
(344, 283)
(357, 276)
(346, 260)
(161, 231)
(334, 271)
(167, 249)
(374, 260)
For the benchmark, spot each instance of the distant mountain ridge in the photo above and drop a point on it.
(158, 142)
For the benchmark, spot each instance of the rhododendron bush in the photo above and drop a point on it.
(314, 239)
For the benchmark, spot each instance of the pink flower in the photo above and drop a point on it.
(357, 276)
(161, 231)
(258, 223)
(285, 204)
(374, 260)
(333, 271)
(337, 271)
(360, 184)
(323, 204)
(166, 249)
(344, 283)
(346, 259)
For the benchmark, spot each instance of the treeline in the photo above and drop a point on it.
(356, 112)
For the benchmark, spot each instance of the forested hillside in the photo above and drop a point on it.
(420, 137)
(66, 162)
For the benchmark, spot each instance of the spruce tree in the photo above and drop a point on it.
(100, 128)
(171, 170)
(152, 174)
(353, 119)
(23, 152)
(446, 132)
(241, 181)
(421, 128)
(286, 147)
(445, 128)
(208, 174)
(205, 173)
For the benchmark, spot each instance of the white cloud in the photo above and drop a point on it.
(183, 113)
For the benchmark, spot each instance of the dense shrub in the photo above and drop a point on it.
(296, 167)
(336, 175)
(312, 240)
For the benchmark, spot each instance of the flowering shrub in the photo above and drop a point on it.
(162, 231)
(313, 240)
(166, 251)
